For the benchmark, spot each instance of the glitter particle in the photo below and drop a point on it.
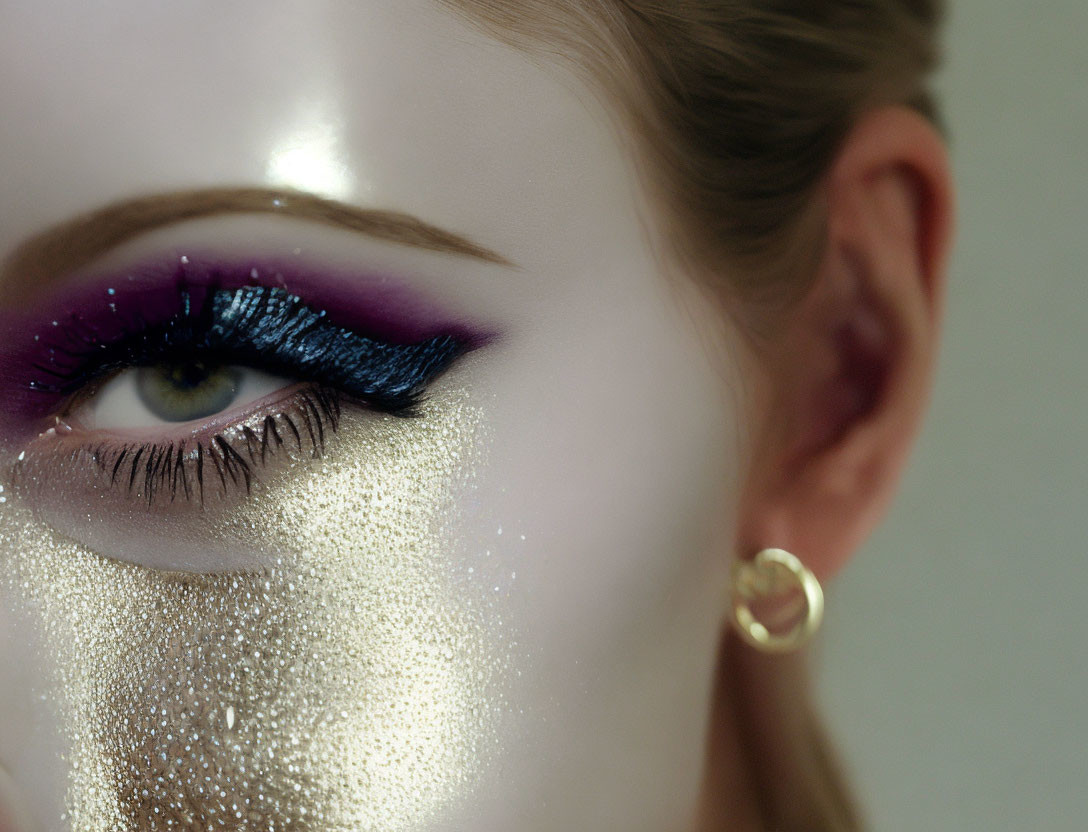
(363, 667)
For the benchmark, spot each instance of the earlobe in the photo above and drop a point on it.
(851, 374)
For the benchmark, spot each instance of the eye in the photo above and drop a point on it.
(174, 392)
(188, 393)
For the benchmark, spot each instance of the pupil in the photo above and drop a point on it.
(189, 375)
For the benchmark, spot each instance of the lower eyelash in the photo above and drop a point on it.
(227, 460)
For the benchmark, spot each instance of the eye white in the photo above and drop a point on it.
(117, 405)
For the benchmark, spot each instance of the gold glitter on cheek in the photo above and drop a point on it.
(353, 685)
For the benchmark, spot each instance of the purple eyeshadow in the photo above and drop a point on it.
(91, 318)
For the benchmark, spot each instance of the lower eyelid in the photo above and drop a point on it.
(219, 461)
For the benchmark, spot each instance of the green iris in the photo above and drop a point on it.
(187, 390)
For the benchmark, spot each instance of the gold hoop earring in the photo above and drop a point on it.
(771, 573)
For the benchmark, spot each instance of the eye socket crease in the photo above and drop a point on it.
(77, 242)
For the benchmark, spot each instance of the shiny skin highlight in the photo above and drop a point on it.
(353, 684)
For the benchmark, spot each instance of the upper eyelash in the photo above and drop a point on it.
(264, 327)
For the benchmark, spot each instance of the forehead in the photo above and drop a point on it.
(393, 105)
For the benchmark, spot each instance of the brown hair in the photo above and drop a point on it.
(737, 108)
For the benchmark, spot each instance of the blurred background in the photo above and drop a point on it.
(954, 664)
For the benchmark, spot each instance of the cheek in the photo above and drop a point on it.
(601, 526)
(352, 681)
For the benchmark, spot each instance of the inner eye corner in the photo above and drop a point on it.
(79, 397)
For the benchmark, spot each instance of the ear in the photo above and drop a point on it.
(843, 388)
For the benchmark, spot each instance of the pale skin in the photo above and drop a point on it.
(638, 442)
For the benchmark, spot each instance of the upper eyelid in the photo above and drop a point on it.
(235, 319)
(379, 304)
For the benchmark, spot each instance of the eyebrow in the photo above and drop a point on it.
(77, 242)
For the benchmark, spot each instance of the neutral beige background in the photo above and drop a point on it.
(954, 665)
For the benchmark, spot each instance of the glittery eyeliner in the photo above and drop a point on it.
(374, 341)
(255, 326)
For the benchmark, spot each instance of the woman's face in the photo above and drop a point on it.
(316, 612)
